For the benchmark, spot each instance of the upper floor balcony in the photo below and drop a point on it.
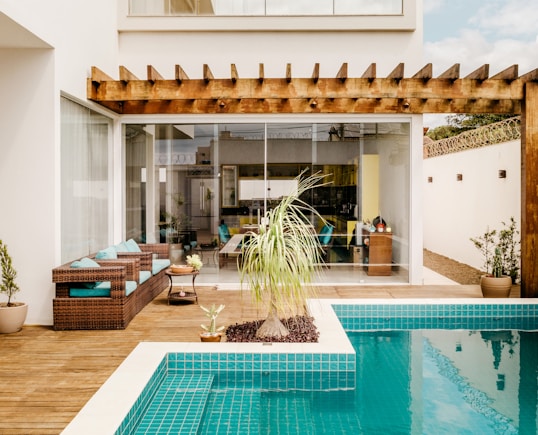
(268, 15)
(264, 7)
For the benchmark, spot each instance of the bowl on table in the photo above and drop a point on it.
(181, 268)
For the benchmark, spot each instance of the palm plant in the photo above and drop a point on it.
(281, 260)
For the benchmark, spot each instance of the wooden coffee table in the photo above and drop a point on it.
(181, 296)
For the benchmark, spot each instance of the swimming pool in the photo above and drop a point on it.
(290, 379)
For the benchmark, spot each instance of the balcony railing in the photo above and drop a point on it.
(264, 7)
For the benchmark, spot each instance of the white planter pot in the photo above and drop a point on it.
(12, 318)
(175, 253)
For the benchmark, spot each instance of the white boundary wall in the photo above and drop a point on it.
(455, 210)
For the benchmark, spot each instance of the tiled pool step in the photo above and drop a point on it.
(178, 406)
(287, 415)
(233, 412)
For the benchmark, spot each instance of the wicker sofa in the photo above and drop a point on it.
(109, 294)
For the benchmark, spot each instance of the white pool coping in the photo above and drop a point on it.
(106, 410)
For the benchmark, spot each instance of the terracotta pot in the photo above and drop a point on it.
(210, 337)
(12, 318)
(493, 287)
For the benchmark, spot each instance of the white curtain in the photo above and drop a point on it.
(85, 139)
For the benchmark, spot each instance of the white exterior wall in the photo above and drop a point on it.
(455, 210)
(47, 48)
(273, 49)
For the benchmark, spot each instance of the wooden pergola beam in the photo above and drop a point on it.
(322, 105)
(397, 73)
(181, 75)
(288, 72)
(342, 73)
(480, 74)
(426, 73)
(99, 76)
(153, 75)
(261, 74)
(208, 75)
(452, 73)
(370, 72)
(126, 75)
(315, 73)
(233, 73)
(211, 89)
(529, 194)
(509, 74)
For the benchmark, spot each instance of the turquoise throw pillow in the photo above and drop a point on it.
(132, 246)
(325, 235)
(107, 254)
(86, 262)
(121, 247)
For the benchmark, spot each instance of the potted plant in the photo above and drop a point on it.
(12, 314)
(175, 225)
(501, 258)
(509, 245)
(280, 261)
(211, 333)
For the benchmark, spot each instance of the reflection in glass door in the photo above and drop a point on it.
(228, 175)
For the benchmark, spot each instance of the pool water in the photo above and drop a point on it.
(407, 382)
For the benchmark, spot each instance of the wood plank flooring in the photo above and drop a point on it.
(46, 377)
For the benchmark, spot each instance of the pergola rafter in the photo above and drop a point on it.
(421, 93)
(504, 93)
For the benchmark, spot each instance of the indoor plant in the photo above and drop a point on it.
(280, 261)
(501, 259)
(175, 225)
(12, 314)
(211, 332)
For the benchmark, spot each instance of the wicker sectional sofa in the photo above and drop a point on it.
(103, 292)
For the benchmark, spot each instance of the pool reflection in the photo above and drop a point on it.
(453, 381)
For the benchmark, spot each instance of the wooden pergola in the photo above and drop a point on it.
(504, 93)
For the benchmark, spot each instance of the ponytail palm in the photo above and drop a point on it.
(280, 262)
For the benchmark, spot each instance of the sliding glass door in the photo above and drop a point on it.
(208, 175)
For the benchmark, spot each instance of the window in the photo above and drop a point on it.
(85, 138)
(264, 7)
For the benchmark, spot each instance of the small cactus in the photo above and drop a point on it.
(212, 313)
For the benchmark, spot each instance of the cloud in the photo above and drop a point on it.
(430, 6)
(508, 18)
(472, 50)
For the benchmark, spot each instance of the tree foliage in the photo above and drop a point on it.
(459, 123)
(8, 285)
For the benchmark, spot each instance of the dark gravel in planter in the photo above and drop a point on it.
(302, 330)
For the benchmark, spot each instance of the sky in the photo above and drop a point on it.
(476, 32)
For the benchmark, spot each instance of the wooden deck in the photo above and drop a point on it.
(46, 377)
